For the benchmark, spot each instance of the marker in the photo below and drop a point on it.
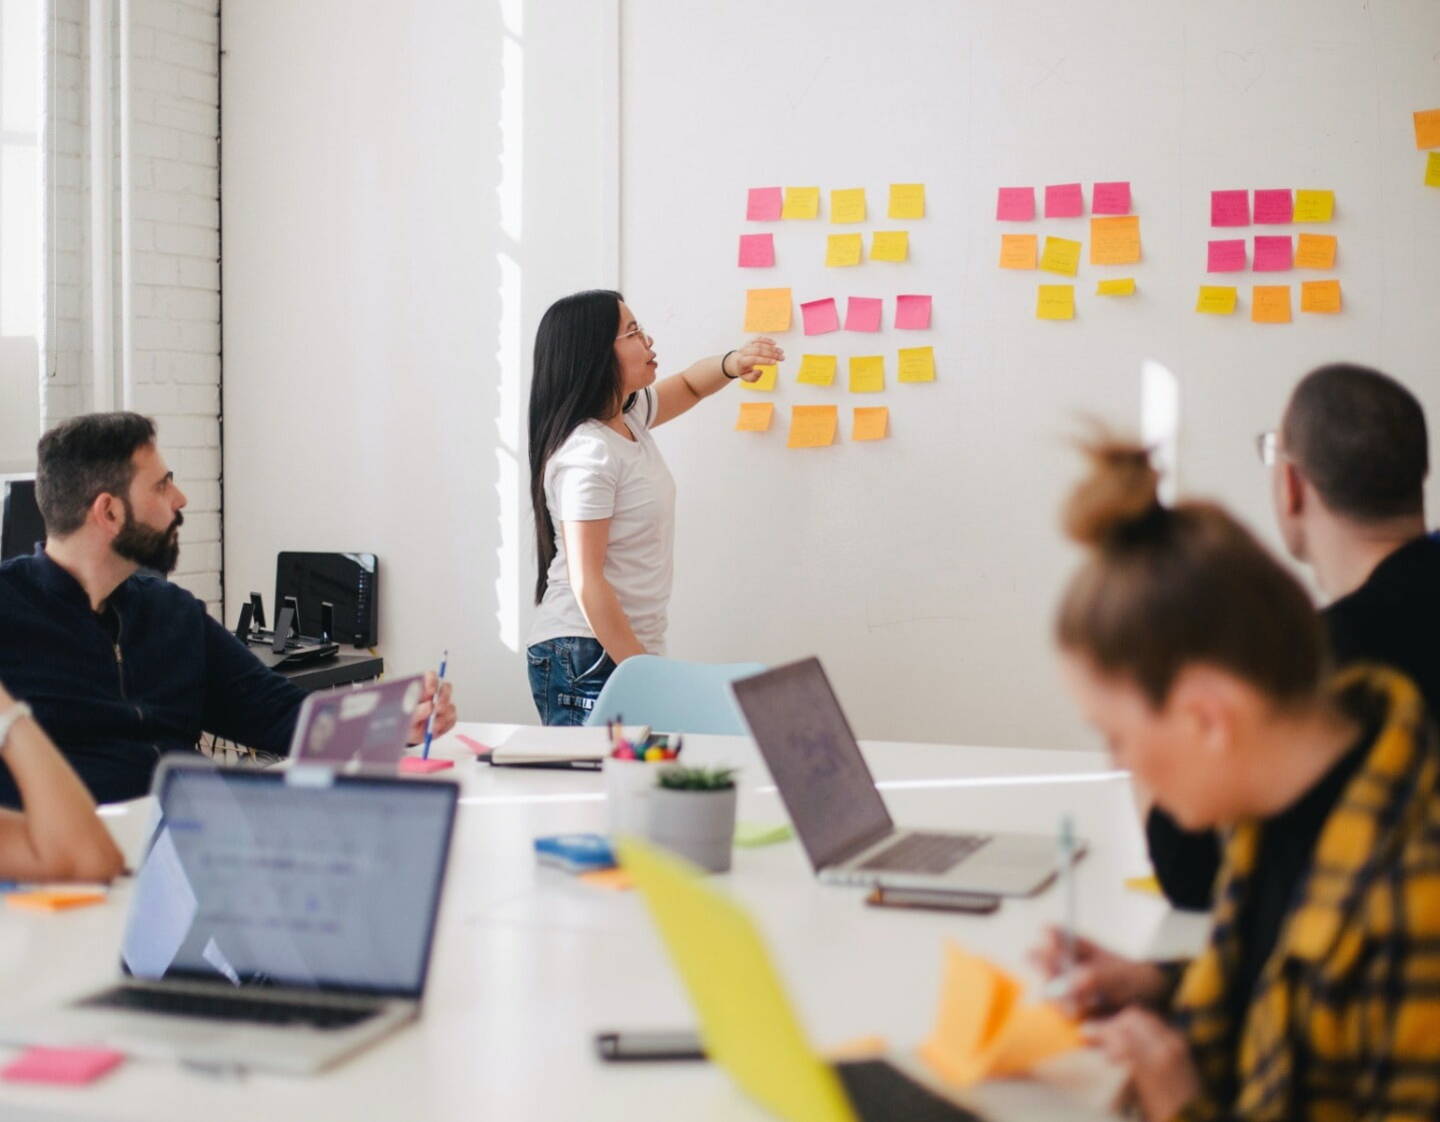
(434, 705)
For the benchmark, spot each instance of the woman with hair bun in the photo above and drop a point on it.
(1201, 662)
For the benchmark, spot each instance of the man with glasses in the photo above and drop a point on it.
(1348, 467)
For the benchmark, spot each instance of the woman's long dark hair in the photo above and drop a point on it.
(576, 379)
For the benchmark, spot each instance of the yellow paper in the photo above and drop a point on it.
(1427, 129)
(801, 202)
(1150, 885)
(1018, 251)
(917, 364)
(813, 426)
(1061, 256)
(867, 373)
(767, 309)
(1216, 299)
(907, 200)
(817, 370)
(870, 423)
(1115, 241)
(755, 416)
(847, 205)
(1315, 251)
(1314, 206)
(843, 249)
(1432, 170)
(1320, 296)
(889, 245)
(1055, 301)
(1120, 286)
(769, 375)
(1270, 303)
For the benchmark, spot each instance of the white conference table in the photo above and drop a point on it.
(529, 963)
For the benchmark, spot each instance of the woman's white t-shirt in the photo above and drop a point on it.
(595, 474)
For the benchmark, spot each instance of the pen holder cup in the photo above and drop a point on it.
(697, 825)
(628, 785)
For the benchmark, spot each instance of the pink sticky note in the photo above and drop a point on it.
(1274, 208)
(1229, 208)
(61, 1065)
(912, 313)
(1015, 204)
(414, 765)
(863, 313)
(757, 251)
(1227, 256)
(820, 316)
(1273, 255)
(473, 744)
(1110, 198)
(764, 204)
(1064, 200)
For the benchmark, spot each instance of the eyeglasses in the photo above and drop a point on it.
(636, 330)
(1267, 447)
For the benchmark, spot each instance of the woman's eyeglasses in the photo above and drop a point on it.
(636, 330)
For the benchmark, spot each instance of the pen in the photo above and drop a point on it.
(434, 705)
(1067, 874)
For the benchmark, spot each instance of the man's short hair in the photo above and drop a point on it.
(1359, 437)
(84, 458)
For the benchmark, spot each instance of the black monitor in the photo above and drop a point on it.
(346, 581)
(21, 527)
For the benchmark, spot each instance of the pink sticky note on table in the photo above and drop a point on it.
(414, 765)
(1274, 255)
(1229, 208)
(1275, 208)
(73, 1066)
(1015, 204)
(1064, 200)
(912, 312)
(1226, 256)
(820, 317)
(764, 204)
(757, 251)
(862, 313)
(1110, 198)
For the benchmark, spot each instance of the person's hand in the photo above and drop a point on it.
(1099, 981)
(1162, 1073)
(5, 699)
(444, 709)
(758, 352)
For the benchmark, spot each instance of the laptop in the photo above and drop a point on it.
(847, 833)
(364, 726)
(281, 920)
(746, 1020)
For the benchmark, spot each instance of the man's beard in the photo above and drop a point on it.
(148, 548)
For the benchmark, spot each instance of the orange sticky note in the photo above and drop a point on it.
(1427, 128)
(616, 880)
(907, 200)
(56, 900)
(769, 375)
(1055, 301)
(801, 202)
(1320, 296)
(755, 416)
(1315, 251)
(1019, 251)
(917, 364)
(870, 423)
(813, 426)
(1115, 241)
(767, 309)
(1270, 303)
(1314, 206)
(867, 373)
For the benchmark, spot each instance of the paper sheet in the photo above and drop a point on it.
(1061, 255)
(1270, 303)
(1321, 296)
(1015, 204)
(917, 364)
(767, 309)
(801, 202)
(1274, 254)
(1432, 170)
(1315, 251)
(1115, 241)
(1120, 286)
(862, 313)
(867, 373)
(1314, 206)
(1229, 208)
(1019, 251)
(847, 204)
(1064, 200)
(890, 245)
(817, 370)
(1216, 299)
(843, 249)
(912, 312)
(812, 426)
(1110, 198)
(820, 316)
(1427, 128)
(870, 423)
(1226, 255)
(755, 416)
(1274, 207)
(907, 200)
(763, 204)
(757, 251)
(1055, 301)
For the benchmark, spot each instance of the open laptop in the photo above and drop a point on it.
(280, 920)
(848, 834)
(746, 1020)
(364, 726)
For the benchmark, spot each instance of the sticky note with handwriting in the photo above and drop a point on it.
(1229, 208)
(757, 251)
(907, 200)
(1115, 241)
(769, 375)
(1227, 255)
(1015, 204)
(1270, 303)
(1064, 200)
(867, 373)
(1315, 251)
(1110, 198)
(1274, 254)
(813, 426)
(1061, 256)
(1018, 251)
(917, 364)
(763, 204)
(801, 202)
(1119, 286)
(1216, 299)
(1055, 301)
(817, 370)
(1274, 207)
(889, 245)
(1314, 206)
(820, 316)
(843, 249)
(767, 309)
(862, 313)
(1427, 128)
(1320, 296)
(1432, 170)
(847, 204)
(870, 422)
(912, 312)
(755, 416)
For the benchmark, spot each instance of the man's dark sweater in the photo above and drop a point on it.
(118, 689)
(1392, 619)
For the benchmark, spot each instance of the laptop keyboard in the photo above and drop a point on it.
(881, 1092)
(925, 853)
(223, 1008)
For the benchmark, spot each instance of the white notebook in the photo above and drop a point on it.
(587, 744)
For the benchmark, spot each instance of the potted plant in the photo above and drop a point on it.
(692, 813)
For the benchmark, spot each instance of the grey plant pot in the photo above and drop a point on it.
(698, 825)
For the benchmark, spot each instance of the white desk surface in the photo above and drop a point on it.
(529, 963)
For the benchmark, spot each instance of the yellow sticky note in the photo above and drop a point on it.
(1427, 129)
(1061, 256)
(817, 370)
(1018, 251)
(917, 364)
(870, 423)
(1216, 299)
(1120, 286)
(1320, 296)
(801, 202)
(1055, 301)
(843, 249)
(1315, 251)
(813, 426)
(1314, 206)
(1270, 303)
(907, 200)
(1115, 241)
(755, 416)
(889, 245)
(767, 309)
(769, 375)
(1432, 170)
(1150, 885)
(867, 373)
(847, 205)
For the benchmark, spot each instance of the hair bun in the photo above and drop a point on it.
(1120, 492)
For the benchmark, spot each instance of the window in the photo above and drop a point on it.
(20, 272)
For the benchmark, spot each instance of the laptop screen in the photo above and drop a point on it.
(812, 755)
(298, 878)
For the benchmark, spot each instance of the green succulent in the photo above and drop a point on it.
(678, 778)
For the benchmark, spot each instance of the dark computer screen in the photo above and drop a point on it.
(21, 527)
(346, 580)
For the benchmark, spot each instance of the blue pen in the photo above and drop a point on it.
(430, 722)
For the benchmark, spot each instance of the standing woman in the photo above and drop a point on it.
(603, 498)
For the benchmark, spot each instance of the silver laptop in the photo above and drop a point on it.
(280, 920)
(848, 834)
(361, 727)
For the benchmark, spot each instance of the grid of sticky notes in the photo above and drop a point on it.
(822, 369)
(1427, 136)
(1274, 252)
(1114, 232)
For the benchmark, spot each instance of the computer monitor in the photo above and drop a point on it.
(21, 527)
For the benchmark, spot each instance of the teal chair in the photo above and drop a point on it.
(674, 696)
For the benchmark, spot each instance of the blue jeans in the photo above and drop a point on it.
(566, 676)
